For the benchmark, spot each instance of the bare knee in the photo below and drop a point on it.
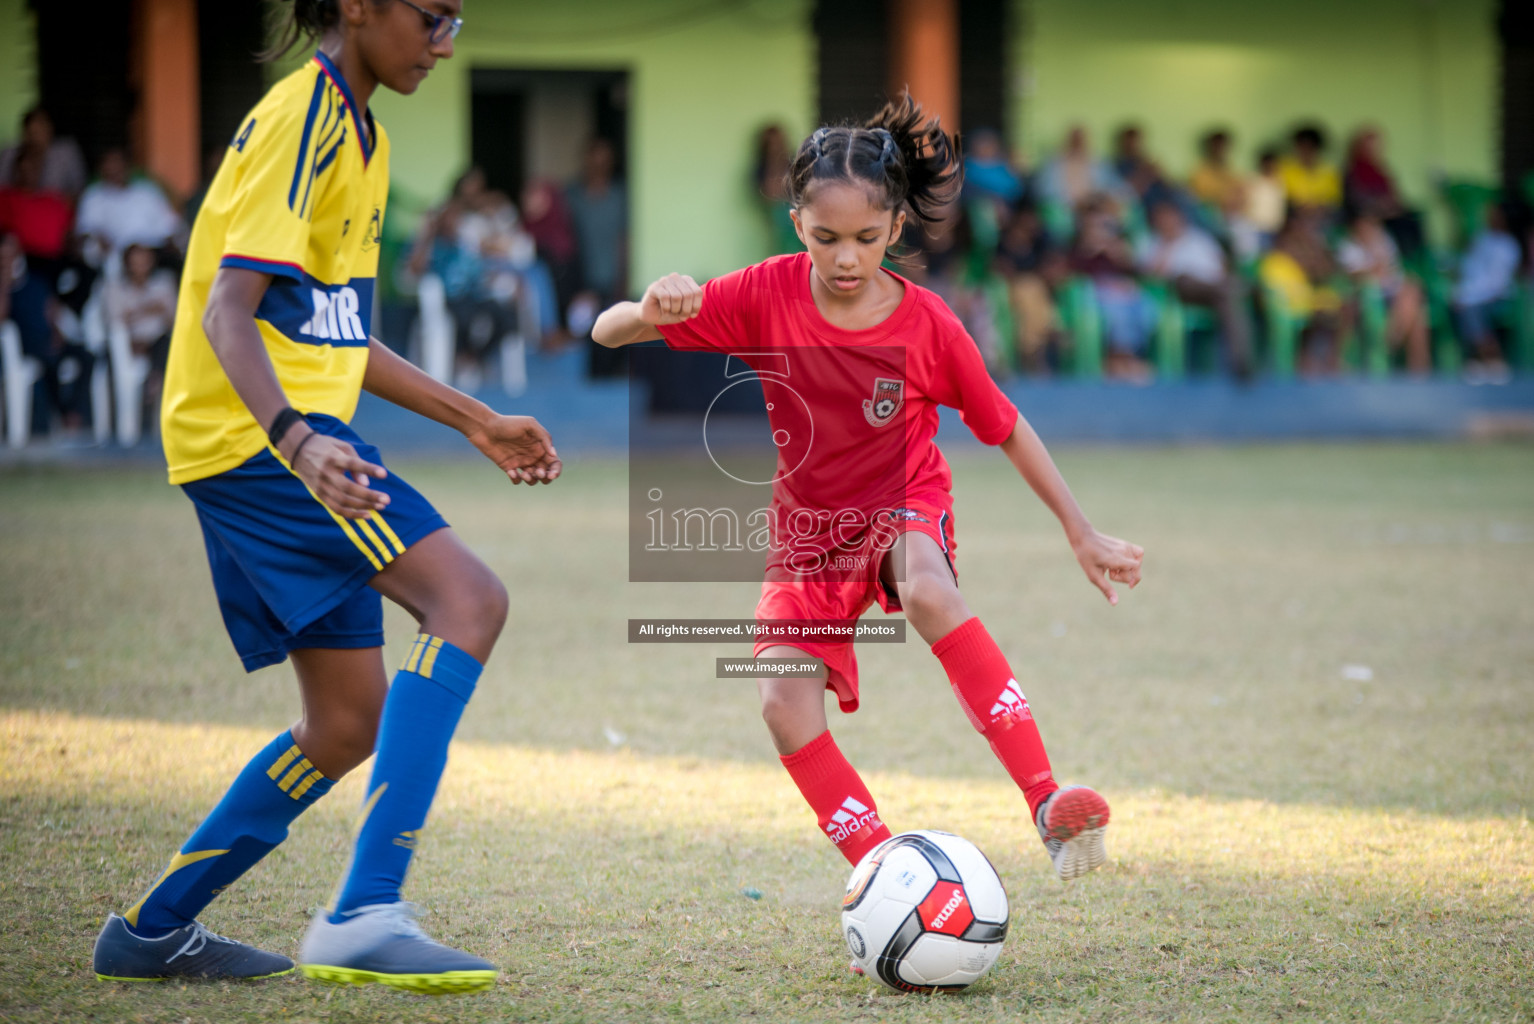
(933, 604)
(794, 711)
(340, 740)
(472, 613)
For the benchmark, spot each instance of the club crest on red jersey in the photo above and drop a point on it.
(889, 396)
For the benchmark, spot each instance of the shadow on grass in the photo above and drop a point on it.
(610, 886)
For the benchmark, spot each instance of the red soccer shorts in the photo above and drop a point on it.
(930, 513)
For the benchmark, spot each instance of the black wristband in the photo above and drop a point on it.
(280, 424)
(294, 460)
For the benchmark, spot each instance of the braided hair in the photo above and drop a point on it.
(909, 161)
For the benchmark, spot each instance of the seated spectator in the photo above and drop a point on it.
(1213, 182)
(1073, 175)
(1263, 212)
(1034, 267)
(1369, 186)
(1137, 170)
(1369, 256)
(26, 298)
(144, 300)
(1297, 272)
(1193, 265)
(40, 218)
(1309, 181)
(118, 211)
(1102, 254)
(1488, 277)
(987, 171)
(479, 320)
(62, 167)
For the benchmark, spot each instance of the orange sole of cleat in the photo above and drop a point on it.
(1074, 811)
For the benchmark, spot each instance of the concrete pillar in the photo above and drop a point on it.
(165, 62)
(924, 55)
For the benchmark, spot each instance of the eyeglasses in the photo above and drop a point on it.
(441, 26)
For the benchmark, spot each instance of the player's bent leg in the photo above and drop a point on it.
(1071, 827)
(450, 592)
(370, 934)
(924, 581)
(795, 712)
(159, 936)
(343, 694)
(794, 709)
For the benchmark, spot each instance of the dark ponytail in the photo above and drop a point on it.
(910, 161)
(307, 20)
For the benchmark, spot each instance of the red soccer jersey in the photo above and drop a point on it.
(854, 412)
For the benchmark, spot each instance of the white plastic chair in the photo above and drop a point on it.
(93, 335)
(129, 373)
(21, 372)
(436, 328)
(438, 335)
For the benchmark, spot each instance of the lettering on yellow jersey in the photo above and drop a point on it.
(335, 316)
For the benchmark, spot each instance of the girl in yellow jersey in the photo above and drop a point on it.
(305, 529)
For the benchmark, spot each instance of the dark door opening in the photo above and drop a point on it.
(536, 123)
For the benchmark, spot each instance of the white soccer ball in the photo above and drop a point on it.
(925, 910)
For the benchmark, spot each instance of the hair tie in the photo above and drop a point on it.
(818, 141)
(888, 150)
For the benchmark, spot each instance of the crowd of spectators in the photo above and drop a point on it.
(65, 240)
(1106, 258)
(541, 271)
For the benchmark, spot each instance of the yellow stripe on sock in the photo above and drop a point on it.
(177, 862)
(303, 787)
(282, 762)
(388, 531)
(294, 774)
(367, 528)
(431, 656)
(413, 662)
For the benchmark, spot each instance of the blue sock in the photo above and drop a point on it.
(252, 818)
(425, 701)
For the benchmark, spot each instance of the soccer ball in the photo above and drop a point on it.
(925, 910)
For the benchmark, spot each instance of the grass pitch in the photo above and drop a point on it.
(1313, 719)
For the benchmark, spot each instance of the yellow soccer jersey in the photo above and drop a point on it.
(300, 196)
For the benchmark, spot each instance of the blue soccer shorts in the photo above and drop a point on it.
(291, 574)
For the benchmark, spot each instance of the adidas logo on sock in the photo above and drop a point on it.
(851, 816)
(1010, 703)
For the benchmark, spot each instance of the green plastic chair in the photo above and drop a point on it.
(1078, 309)
(1372, 352)
(1447, 356)
(1283, 334)
(1522, 352)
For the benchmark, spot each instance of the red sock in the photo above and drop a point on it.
(981, 680)
(837, 796)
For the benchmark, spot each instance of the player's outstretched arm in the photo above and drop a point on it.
(672, 299)
(329, 466)
(518, 444)
(1106, 560)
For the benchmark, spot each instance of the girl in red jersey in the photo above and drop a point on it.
(873, 356)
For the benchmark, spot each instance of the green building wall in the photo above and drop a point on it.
(1425, 71)
(700, 87)
(18, 66)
